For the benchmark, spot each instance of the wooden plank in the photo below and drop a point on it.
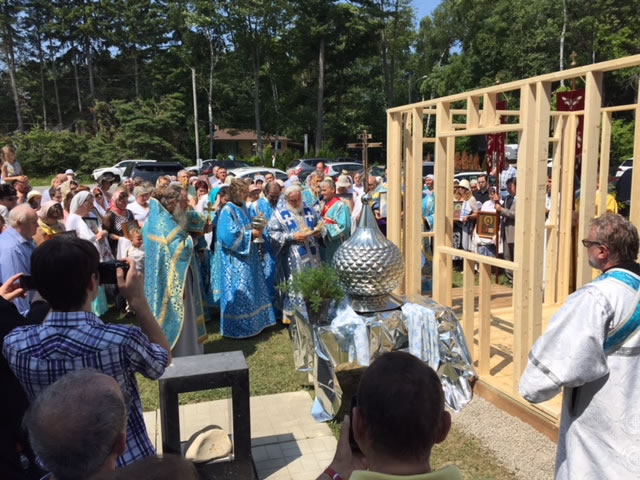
(465, 132)
(618, 63)
(566, 209)
(605, 158)
(394, 180)
(536, 214)
(444, 196)
(551, 254)
(473, 112)
(484, 337)
(407, 145)
(489, 116)
(589, 170)
(413, 207)
(496, 262)
(447, 274)
(522, 241)
(634, 216)
(468, 302)
(619, 108)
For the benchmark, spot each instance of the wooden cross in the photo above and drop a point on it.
(365, 145)
(209, 209)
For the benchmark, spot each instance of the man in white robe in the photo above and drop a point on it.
(591, 351)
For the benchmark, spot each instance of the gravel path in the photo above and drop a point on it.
(517, 445)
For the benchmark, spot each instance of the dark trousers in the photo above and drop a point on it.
(508, 255)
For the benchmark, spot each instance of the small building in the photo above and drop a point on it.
(243, 143)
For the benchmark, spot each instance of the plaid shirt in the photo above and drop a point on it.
(38, 355)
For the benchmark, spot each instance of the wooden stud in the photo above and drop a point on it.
(394, 180)
(468, 304)
(476, 257)
(413, 207)
(473, 112)
(634, 215)
(444, 197)
(589, 169)
(407, 145)
(484, 335)
(489, 116)
(522, 242)
(605, 154)
(536, 213)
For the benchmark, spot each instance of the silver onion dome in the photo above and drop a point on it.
(369, 265)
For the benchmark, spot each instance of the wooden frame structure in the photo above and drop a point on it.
(539, 287)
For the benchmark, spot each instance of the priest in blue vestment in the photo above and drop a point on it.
(172, 276)
(337, 216)
(266, 207)
(294, 230)
(239, 282)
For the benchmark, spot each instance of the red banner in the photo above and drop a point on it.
(572, 101)
(496, 144)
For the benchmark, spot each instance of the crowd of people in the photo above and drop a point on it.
(169, 253)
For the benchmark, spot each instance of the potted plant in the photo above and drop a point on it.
(318, 287)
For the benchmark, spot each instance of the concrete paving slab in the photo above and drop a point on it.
(287, 443)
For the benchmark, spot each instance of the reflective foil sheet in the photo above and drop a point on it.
(428, 330)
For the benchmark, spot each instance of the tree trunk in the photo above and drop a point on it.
(75, 72)
(320, 109)
(562, 37)
(256, 99)
(210, 96)
(92, 91)
(276, 101)
(136, 72)
(42, 87)
(11, 62)
(54, 74)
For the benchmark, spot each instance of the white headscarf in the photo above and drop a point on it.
(78, 200)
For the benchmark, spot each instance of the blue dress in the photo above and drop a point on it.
(238, 277)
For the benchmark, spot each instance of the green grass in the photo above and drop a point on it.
(46, 181)
(271, 370)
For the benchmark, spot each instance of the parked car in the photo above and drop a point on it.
(117, 171)
(427, 168)
(511, 151)
(207, 165)
(307, 165)
(474, 176)
(334, 169)
(251, 172)
(348, 159)
(623, 167)
(150, 172)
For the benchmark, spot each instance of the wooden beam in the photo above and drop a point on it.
(394, 180)
(620, 108)
(447, 274)
(465, 132)
(473, 112)
(634, 216)
(617, 64)
(566, 202)
(484, 336)
(468, 304)
(407, 144)
(476, 257)
(605, 156)
(589, 170)
(489, 116)
(536, 213)
(522, 242)
(444, 196)
(413, 207)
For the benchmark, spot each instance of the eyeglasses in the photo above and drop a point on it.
(589, 243)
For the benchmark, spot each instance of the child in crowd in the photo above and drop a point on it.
(136, 250)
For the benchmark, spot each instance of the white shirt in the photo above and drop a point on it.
(140, 213)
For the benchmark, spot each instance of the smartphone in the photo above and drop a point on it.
(352, 439)
(26, 283)
(107, 271)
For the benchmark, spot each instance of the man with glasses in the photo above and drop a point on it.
(590, 350)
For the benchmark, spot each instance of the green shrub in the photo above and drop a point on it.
(315, 285)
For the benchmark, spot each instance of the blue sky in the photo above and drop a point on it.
(424, 8)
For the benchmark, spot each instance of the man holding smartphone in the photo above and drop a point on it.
(71, 337)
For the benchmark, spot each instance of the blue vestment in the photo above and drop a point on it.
(238, 277)
(293, 256)
(169, 254)
(428, 209)
(310, 199)
(337, 216)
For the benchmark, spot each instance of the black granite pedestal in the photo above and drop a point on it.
(207, 372)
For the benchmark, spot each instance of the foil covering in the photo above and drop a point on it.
(369, 266)
(429, 331)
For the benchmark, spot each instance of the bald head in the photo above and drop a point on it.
(24, 220)
(78, 431)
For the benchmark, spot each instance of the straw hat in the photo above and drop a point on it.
(464, 183)
(343, 181)
(33, 193)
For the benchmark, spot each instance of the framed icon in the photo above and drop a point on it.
(457, 210)
(93, 224)
(487, 226)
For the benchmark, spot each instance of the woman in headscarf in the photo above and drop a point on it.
(49, 222)
(116, 217)
(90, 229)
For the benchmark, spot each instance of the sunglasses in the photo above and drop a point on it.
(589, 243)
